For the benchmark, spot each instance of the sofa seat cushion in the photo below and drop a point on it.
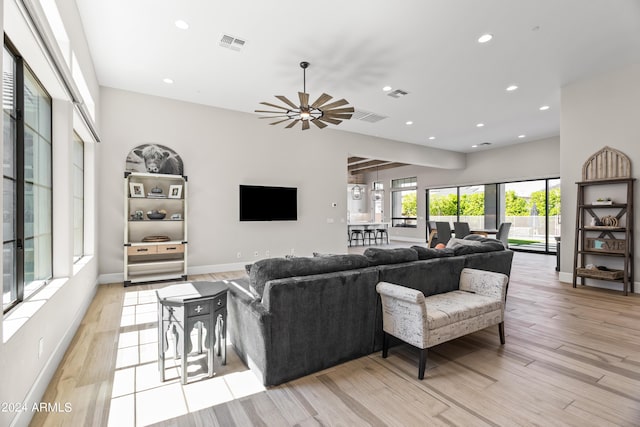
(280, 268)
(379, 256)
(456, 306)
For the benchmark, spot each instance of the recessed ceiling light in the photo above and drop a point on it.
(511, 88)
(432, 138)
(485, 38)
(409, 123)
(168, 81)
(521, 136)
(386, 88)
(479, 125)
(544, 107)
(181, 24)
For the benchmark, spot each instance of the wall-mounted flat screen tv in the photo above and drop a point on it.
(260, 203)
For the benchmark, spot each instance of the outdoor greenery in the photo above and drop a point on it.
(410, 204)
(470, 204)
(473, 204)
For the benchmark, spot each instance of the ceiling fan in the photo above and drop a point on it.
(319, 113)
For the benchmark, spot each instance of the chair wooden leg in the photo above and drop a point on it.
(423, 363)
(501, 332)
(385, 345)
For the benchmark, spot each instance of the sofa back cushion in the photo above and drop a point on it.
(497, 261)
(279, 268)
(379, 256)
(430, 253)
(466, 246)
(431, 277)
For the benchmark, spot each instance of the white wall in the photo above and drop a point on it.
(52, 315)
(597, 112)
(531, 160)
(222, 149)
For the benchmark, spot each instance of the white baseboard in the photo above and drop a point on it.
(39, 387)
(218, 268)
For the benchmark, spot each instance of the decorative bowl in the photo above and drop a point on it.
(156, 215)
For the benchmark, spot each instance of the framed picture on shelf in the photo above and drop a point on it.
(136, 189)
(175, 191)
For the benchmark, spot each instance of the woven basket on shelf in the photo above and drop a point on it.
(604, 274)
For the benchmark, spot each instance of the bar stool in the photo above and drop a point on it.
(369, 234)
(356, 235)
(382, 232)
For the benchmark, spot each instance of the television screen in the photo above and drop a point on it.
(260, 203)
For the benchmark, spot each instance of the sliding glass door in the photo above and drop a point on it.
(532, 208)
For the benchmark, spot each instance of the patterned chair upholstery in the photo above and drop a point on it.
(427, 321)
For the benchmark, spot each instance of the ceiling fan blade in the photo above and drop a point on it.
(266, 111)
(305, 124)
(339, 110)
(321, 100)
(338, 116)
(304, 99)
(286, 101)
(335, 104)
(330, 120)
(279, 121)
(275, 106)
(319, 123)
(290, 125)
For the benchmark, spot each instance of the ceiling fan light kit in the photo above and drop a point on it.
(320, 112)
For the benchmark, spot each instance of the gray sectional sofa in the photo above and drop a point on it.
(296, 316)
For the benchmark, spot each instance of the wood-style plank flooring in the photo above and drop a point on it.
(572, 357)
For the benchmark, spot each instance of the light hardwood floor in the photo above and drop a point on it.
(572, 357)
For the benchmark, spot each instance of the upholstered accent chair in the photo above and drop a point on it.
(425, 322)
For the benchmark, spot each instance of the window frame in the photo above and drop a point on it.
(19, 148)
(403, 185)
(78, 247)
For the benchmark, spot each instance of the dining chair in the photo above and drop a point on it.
(461, 229)
(444, 232)
(432, 234)
(503, 233)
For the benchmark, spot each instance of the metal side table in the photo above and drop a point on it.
(182, 307)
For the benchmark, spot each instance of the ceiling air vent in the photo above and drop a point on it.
(398, 93)
(367, 116)
(232, 43)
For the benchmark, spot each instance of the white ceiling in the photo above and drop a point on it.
(428, 48)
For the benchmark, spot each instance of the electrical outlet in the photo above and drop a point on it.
(40, 347)
(267, 253)
(239, 255)
(256, 254)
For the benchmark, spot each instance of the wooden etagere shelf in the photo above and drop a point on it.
(155, 246)
(595, 243)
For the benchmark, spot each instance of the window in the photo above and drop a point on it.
(404, 204)
(532, 208)
(27, 216)
(78, 198)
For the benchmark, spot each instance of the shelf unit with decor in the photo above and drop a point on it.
(604, 228)
(155, 231)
